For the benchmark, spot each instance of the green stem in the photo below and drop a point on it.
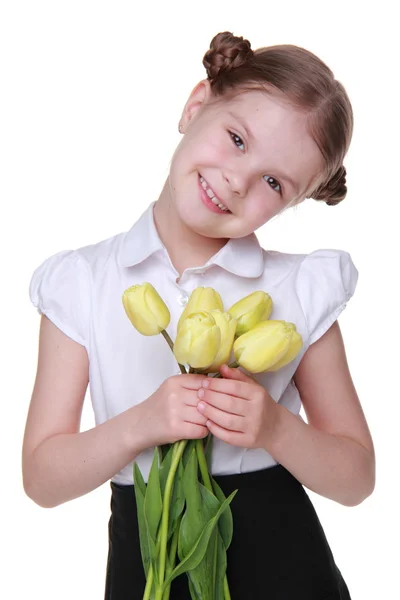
(203, 465)
(149, 584)
(172, 555)
(171, 345)
(227, 594)
(176, 456)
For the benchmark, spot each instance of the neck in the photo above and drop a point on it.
(185, 247)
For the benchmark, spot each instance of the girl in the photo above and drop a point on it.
(262, 132)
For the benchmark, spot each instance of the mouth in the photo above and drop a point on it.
(210, 199)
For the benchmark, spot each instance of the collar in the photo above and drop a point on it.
(240, 256)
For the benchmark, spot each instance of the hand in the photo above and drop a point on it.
(170, 414)
(239, 411)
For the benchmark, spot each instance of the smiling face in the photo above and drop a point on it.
(254, 154)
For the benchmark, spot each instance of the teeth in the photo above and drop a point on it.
(210, 194)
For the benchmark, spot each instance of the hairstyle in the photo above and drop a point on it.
(232, 67)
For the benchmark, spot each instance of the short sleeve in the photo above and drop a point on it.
(60, 289)
(326, 281)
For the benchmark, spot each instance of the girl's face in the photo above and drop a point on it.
(254, 153)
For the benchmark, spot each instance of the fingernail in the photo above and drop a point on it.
(205, 383)
(201, 406)
(200, 393)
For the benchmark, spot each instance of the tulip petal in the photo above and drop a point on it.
(296, 345)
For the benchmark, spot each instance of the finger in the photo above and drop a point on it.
(230, 437)
(240, 389)
(195, 432)
(190, 397)
(192, 415)
(229, 404)
(236, 374)
(220, 417)
(191, 381)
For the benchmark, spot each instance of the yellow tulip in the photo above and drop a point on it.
(250, 310)
(145, 309)
(198, 340)
(263, 346)
(227, 326)
(202, 299)
(296, 344)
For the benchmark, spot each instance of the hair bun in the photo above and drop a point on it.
(335, 190)
(226, 52)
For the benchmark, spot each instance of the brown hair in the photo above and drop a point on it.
(232, 66)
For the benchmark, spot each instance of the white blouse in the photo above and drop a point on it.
(80, 291)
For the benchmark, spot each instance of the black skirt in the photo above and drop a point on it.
(279, 550)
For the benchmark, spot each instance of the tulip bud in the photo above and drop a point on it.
(227, 326)
(198, 340)
(145, 309)
(296, 344)
(202, 299)
(263, 346)
(250, 310)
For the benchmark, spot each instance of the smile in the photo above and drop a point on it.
(212, 196)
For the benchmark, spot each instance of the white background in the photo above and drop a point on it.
(91, 94)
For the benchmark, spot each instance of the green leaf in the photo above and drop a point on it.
(208, 450)
(177, 500)
(225, 524)
(220, 570)
(140, 492)
(153, 512)
(201, 506)
(200, 547)
(188, 452)
(153, 499)
(207, 579)
(163, 451)
(164, 470)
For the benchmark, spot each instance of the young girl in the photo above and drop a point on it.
(265, 130)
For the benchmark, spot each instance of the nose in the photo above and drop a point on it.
(237, 181)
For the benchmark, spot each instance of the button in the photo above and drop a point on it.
(183, 299)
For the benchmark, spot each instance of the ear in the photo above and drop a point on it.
(200, 95)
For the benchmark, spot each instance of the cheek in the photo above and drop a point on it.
(264, 207)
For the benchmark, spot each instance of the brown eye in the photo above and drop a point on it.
(272, 182)
(236, 140)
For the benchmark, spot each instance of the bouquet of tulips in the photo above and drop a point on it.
(185, 521)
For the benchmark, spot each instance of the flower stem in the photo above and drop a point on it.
(203, 465)
(172, 555)
(176, 456)
(227, 594)
(149, 583)
(171, 345)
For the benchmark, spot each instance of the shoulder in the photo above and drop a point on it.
(61, 287)
(320, 283)
(329, 263)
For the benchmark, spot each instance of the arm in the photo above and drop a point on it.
(58, 462)
(333, 455)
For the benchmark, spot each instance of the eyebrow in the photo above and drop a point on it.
(251, 136)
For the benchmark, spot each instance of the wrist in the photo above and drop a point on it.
(277, 418)
(135, 437)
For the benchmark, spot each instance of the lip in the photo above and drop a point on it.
(208, 202)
